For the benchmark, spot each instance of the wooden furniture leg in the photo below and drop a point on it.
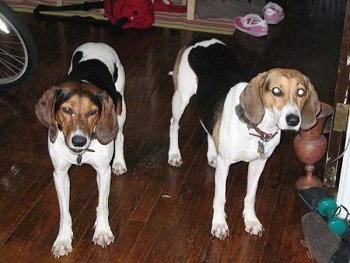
(191, 4)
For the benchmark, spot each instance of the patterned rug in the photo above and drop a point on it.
(162, 19)
(179, 21)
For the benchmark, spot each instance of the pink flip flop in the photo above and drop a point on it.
(251, 24)
(273, 13)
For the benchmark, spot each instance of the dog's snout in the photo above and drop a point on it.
(79, 141)
(292, 120)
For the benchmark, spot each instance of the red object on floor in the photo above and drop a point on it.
(130, 13)
(160, 5)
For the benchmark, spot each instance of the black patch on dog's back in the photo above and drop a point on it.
(217, 71)
(95, 72)
(76, 58)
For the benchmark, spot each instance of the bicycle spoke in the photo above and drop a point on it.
(18, 54)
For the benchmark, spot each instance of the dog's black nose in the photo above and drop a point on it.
(79, 141)
(292, 120)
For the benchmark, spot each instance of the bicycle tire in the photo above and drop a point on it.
(18, 51)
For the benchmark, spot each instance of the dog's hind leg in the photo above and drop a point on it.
(211, 153)
(179, 104)
(119, 166)
(185, 82)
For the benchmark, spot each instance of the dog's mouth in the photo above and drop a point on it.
(77, 151)
(81, 151)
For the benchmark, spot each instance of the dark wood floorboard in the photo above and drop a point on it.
(159, 213)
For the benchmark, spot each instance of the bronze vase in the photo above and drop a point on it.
(310, 146)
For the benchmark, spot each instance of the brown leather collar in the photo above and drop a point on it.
(265, 137)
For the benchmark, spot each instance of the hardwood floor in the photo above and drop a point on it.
(159, 213)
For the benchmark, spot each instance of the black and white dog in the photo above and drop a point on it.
(85, 115)
(243, 120)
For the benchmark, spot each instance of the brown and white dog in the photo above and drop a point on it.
(243, 120)
(85, 117)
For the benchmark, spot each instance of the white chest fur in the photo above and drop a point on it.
(237, 142)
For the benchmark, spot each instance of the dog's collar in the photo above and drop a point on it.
(265, 137)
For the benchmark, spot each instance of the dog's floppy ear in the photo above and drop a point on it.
(44, 110)
(311, 108)
(251, 101)
(107, 126)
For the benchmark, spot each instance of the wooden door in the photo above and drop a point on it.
(339, 117)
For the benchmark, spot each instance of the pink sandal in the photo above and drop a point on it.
(251, 24)
(273, 13)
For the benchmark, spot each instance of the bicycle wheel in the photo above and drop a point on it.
(18, 52)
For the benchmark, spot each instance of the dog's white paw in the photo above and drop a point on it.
(220, 230)
(62, 247)
(118, 168)
(175, 160)
(103, 237)
(253, 226)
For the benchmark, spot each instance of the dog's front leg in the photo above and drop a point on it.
(103, 235)
(63, 243)
(252, 223)
(211, 153)
(219, 225)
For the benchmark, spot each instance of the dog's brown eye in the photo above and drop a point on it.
(300, 92)
(92, 113)
(276, 91)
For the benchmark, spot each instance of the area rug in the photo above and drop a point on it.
(179, 21)
(162, 19)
